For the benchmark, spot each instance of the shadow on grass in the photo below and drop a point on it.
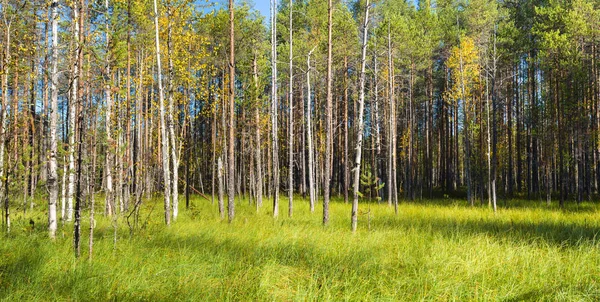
(563, 234)
(18, 269)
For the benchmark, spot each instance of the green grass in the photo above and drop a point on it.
(438, 251)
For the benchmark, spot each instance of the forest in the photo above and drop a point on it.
(436, 124)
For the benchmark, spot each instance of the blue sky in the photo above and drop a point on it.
(261, 5)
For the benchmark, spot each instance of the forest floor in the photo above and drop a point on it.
(436, 250)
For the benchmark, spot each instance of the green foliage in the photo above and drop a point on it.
(370, 183)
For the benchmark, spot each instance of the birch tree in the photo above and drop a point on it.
(163, 128)
(361, 113)
(110, 204)
(52, 179)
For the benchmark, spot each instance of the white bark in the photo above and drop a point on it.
(163, 128)
(4, 116)
(220, 202)
(52, 181)
(63, 191)
(110, 209)
(361, 124)
(259, 182)
(171, 125)
(72, 103)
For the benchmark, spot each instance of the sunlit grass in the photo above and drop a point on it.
(440, 250)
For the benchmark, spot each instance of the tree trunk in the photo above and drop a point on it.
(110, 209)
(329, 116)
(72, 105)
(231, 166)
(163, 126)
(309, 140)
(171, 124)
(52, 180)
(274, 135)
(220, 180)
(259, 182)
(291, 122)
(361, 109)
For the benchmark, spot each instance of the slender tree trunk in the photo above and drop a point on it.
(214, 153)
(72, 105)
(52, 180)
(346, 159)
(274, 105)
(392, 187)
(171, 123)
(231, 166)
(361, 109)
(259, 182)
(163, 126)
(3, 126)
(329, 116)
(291, 122)
(220, 180)
(309, 140)
(79, 98)
(110, 209)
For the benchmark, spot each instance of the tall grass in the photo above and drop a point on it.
(430, 251)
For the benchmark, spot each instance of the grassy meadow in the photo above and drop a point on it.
(438, 250)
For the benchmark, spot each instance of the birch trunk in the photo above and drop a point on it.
(220, 179)
(72, 106)
(110, 208)
(6, 65)
(171, 125)
(163, 126)
(78, 15)
(259, 182)
(52, 180)
(361, 113)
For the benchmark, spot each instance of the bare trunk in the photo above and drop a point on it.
(274, 135)
(52, 181)
(78, 9)
(311, 153)
(361, 113)
(220, 180)
(171, 125)
(110, 209)
(259, 182)
(291, 122)
(163, 126)
(72, 105)
(231, 166)
(3, 174)
(329, 116)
